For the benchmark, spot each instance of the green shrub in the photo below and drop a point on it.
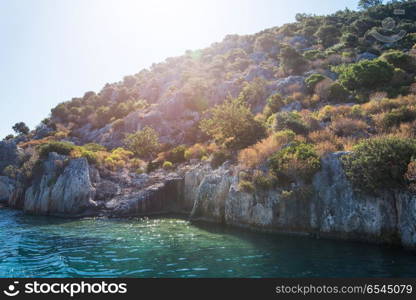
(263, 181)
(349, 39)
(90, 156)
(232, 124)
(338, 93)
(365, 75)
(152, 166)
(144, 143)
(94, 147)
(400, 60)
(10, 171)
(291, 61)
(139, 171)
(296, 161)
(177, 154)
(246, 186)
(274, 103)
(291, 121)
(313, 80)
(63, 148)
(167, 165)
(379, 163)
(328, 35)
(314, 54)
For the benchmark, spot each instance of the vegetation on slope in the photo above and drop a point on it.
(273, 102)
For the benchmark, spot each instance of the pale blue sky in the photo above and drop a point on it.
(53, 50)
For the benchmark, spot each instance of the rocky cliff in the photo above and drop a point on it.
(328, 208)
(331, 209)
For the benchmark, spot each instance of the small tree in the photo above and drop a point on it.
(291, 61)
(233, 125)
(327, 35)
(366, 74)
(21, 128)
(144, 143)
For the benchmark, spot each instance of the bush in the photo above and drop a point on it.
(379, 163)
(314, 54)
(167, 165)
(274, 103)
(338, 93)
(296, 161)
(177, 154)
(262, 181)
(291, 61)
(63, 148)
(350, 39)
(365, 75)
(233, 125)
(196, 151)
(400, 60)
(82, 152)
(313, 80)
(246, 186)
(291, 121)
(143, 143)
(328, 35)
(10, 171)
(94, 147)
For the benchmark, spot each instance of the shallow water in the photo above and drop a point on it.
(50, 247)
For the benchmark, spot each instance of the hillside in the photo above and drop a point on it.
(273, 105)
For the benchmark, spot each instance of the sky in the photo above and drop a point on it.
(54, 50)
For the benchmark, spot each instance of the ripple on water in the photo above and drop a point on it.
(49, 247)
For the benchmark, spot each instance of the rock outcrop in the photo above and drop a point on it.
(329, 208)
(332, 209)
(9, 153)
(61, 189)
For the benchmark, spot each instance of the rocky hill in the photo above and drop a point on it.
(308, 127)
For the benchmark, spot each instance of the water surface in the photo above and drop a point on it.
(49, 247)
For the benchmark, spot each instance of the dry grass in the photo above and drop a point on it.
(325, 147)
(406, 130)
(346, 127)
(322, 89)
(255, 155)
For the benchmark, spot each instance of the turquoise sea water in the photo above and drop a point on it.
(48, 247)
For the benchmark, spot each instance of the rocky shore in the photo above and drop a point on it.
(330, 208)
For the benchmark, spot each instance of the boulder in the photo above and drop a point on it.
(61, 190)
(366, 55)
(9, 153)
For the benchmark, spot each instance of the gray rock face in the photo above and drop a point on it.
(60, 190)
(6, 189)
(338, 209)
(332, 210)
(8, 153)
